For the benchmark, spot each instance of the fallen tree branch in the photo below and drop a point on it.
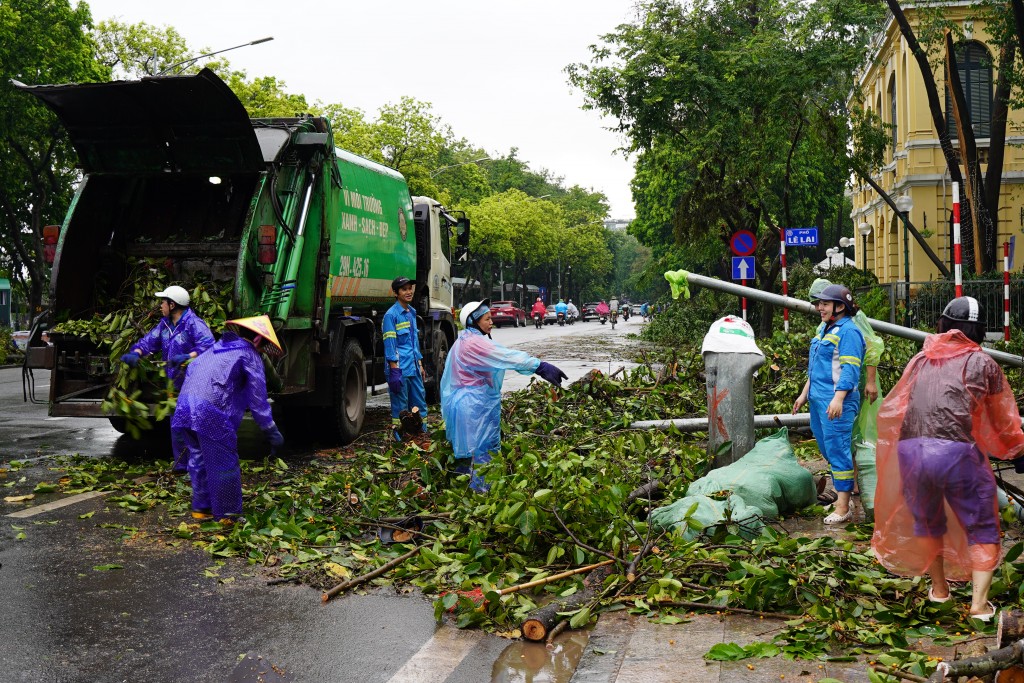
(596, 551)
(883, 669)
(383, 569)
(726, 608)
(997, 660)
(542, 621)
(645, 492)
(553, 577)
(559, 627)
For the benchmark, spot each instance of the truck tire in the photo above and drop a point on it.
(119, 424)
(348, 409)
(438, 357)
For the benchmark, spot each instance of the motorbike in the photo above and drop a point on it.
(604, 318)
(625, 314)
(561, 319)
(570, 318)
(615, 318)
(538, 320)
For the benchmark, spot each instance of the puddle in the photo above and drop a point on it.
(526, 662)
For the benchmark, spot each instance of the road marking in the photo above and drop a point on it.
(70, 500)
(53, 419)
(438, 657)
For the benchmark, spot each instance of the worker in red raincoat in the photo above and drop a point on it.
(935, 507)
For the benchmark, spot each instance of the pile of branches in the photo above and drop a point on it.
(563, 497)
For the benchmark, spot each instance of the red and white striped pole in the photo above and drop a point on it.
(785, 282)
(744, 283)
(1006, 291)
(958, 273)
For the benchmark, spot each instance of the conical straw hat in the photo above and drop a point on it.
(260, 324)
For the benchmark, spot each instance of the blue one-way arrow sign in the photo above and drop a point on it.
(742, 267)
(801, 237)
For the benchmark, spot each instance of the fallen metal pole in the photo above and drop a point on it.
(700, 424)
(807, 307)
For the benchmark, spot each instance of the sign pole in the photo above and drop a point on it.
(1006, 291)
(744, 299)
(958, 276)
(785, 282)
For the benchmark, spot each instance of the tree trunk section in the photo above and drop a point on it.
(541, 621)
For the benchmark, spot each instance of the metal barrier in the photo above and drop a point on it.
(927, 299)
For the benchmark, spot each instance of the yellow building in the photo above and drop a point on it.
(915, 168)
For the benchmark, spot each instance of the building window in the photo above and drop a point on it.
(892, 112)
(974, 64)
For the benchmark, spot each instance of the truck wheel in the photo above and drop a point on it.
(119, 424)
(439, 356)
(349, 404)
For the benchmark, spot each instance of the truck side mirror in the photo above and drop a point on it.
(462, 233)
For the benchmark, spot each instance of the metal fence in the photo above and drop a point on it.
(927, 299)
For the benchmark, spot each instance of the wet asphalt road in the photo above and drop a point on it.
(161, 619)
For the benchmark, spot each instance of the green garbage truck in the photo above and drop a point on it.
(312, 235)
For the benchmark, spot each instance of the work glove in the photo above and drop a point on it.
(180, 358)
(274, 436)
(550, 373)
(131, 359)
(395, 380)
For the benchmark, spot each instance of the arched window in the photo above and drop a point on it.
(892, 112)
(974, 64)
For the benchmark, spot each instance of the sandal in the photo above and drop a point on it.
(985, 617)
(828, 497)
(933, 598)
(836, 518)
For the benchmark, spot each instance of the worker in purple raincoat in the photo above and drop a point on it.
(180, 336)
(219, 387)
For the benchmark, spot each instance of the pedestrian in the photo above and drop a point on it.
(180, 336)
(403, 356)
(874, 346)
(471, 390)
(833, 374)
(935, 507)
(218, 388)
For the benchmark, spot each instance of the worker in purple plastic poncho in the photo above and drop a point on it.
(219, 387)
(471, 390)
(180, 336)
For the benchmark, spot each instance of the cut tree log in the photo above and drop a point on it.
(997, 660)
(540, 622)
(1011, 627)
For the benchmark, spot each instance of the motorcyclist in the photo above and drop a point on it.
(573, 311)
(614, 305)
(602, 310)
(539, 307)
(561, 308)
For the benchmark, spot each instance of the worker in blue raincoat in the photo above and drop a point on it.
(471, 389)
(219, 386)
(833, 374)
(403, 355)
(180, 336)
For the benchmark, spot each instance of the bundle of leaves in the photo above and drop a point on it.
(143, 395)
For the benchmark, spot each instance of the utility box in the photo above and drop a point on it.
(5, 302)
(731, 357)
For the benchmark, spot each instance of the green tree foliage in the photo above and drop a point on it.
(736, 112)
(40, 42)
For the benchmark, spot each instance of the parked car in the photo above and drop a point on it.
(551, 317)
(589, 311)
(507, 313)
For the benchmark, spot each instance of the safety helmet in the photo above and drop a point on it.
(840, 295)
(260, 324)
(817, 287)
(965, 309)
(466, 316)
(176, 294)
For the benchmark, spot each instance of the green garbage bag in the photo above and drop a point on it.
(707, 512)
(768, 478)
(865, 433)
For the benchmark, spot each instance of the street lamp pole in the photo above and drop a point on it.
(904, 205)
(865, 230)
(464, 163)
(186, 62)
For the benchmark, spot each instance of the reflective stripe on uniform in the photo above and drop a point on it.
(844, 475)
(849, 360)
(402, 326)
(391, 335)
(834, 338)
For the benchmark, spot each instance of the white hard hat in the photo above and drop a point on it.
(469, 308)
(176, 294)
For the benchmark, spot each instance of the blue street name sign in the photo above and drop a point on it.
(742, 267)
(801, 237)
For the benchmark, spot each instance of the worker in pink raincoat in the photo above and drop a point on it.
(935, 507)
(220, 385)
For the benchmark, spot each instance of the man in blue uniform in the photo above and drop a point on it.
(403, 357)
(833, 374)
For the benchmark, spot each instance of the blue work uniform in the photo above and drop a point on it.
(402, 345)
(218, 388)
(471, 397)
(191, 333)
(837, 351)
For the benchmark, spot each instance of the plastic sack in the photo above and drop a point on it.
(768, 478)
(708, 513)
(730, 335)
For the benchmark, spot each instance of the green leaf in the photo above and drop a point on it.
(106, 567)
(726, 652)
(44, 487)
(87, 515)
(580, 618)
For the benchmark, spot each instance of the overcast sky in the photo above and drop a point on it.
(493, 71)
